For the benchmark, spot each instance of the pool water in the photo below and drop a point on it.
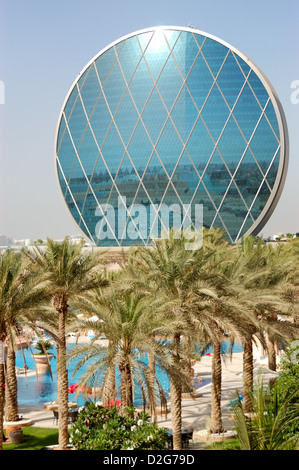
(37, 391)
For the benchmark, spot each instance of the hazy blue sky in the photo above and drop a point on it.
(45, 44)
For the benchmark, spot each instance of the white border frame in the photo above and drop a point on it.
(277, 189)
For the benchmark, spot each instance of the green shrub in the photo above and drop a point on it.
(100, 428)
(287, 386)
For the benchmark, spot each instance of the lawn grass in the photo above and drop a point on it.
(35, 438)
(231, 444)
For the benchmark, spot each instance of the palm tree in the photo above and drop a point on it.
(262, 273)
(167, 270)
(68, 273)
(20, 293)
(215, 310)
(130, 322)
(197, 291)
(272, 417)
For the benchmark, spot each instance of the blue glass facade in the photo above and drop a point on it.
(170, 116)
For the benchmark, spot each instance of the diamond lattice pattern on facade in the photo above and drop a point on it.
(167, 117)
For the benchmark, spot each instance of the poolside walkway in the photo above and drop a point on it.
(195, 412)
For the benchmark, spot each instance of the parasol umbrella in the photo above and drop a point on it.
(264, 373)
(84, 389)
(112, 403)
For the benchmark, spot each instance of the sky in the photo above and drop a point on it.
(45, 44)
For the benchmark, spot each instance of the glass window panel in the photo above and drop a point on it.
(271, 115)
(78, 192)
(216, 179)
(71, 102)
(184, 114)
(127, 180)
(77, 175)
(199, 39)
(215, 113)
(144, 39)
(113, 150)
(215, 54)
(272, 173)
(138, 226)
(264, 143)
(88, 152)
(103, 224)
(261, 201)
(141, 85)
(114, 88)
(77, 123)
(248, 178)
(185, 52)
(101, 182)
(185, 179)
(118, 47)
(157, 53)
(171, 210)
(172, 37)
(247, 225)
(169, 83)
(82, 78)
(200, 146)
(232, 144)
(199, 81)
(258, 88)
(67, 155)
(155, 180)
(114, 196)
(230, 80)
(193, 42)
(61, 180)
(247, 112)
(169, 147)
(100, 121)
(154, 116)
(218, 223)
(233, 212)
(72, 207)
(61, 132)
(104, 64)
(244, 66)
(209, 211)
(140, 148)
(126, 118)
(129, 57)
(90, 90)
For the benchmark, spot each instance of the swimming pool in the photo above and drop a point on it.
(33, 391)
(37, 391)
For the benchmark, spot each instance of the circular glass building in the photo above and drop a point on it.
(166, 127)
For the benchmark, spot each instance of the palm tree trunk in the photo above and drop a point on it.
(272, 364)
(152, 372)
(126, 386)
(62, 379)
(176, 399)
(11, 385)
(247, 375)
(216, 418)
(271, 354)
(109, 392)
(1, 403)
